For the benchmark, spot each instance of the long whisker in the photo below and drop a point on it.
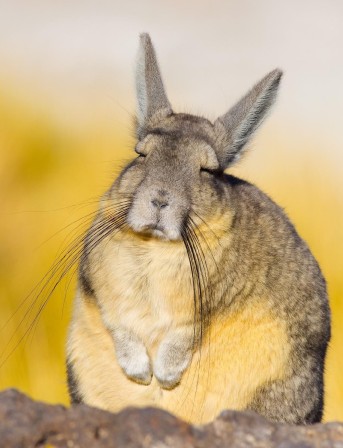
(114, 220)
(206, 224)
(195, 277)
(61, 256)
(62, 275)
(84, 219)
(207, 297)
(199, 280)
(198, 230)
(196, 296)
(201, 285)
(203, 275)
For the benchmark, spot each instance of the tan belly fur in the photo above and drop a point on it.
(241, 352)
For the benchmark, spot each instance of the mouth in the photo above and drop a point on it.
(154, 226)
(155, 230)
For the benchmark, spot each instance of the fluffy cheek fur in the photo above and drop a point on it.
(204, 194)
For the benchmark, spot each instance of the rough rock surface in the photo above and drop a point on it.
(26, 423)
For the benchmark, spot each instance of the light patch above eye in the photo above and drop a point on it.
(142, 148)
(208, 158)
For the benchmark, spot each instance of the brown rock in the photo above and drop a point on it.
(25, 423)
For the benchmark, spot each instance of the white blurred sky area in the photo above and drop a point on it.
(210, 52)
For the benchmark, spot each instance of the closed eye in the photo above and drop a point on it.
(209, 171)
(140, 154)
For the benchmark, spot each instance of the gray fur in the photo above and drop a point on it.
(177, 176)
(244, 118)
(132, 355)
(151, 97)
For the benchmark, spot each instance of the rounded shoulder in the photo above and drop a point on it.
(255, 213)
(249, 196)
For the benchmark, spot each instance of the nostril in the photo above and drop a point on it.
(159, 203)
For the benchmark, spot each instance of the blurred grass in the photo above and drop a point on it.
(49, 176)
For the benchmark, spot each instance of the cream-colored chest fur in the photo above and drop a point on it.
(239, 354)
(147, 288)
(143, 285)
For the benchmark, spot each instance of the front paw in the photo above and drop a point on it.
(168, 380)
(137, 367)
(168, 372)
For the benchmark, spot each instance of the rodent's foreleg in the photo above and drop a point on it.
(173, 356)
(132, 355)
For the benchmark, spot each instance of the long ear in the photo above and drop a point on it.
(151, 96)
(235, 128)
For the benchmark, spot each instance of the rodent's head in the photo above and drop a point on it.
(174, 174)
(182, 157)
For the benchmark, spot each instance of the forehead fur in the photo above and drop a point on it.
(180, 126)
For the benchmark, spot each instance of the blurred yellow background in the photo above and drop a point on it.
(66, 101)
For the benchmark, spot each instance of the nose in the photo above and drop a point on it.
(159, 203)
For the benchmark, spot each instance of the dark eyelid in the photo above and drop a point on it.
(214, 172)
(206, 170)
(139, 153)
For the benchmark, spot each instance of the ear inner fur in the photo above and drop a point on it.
(151, 97)
(236, 127)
